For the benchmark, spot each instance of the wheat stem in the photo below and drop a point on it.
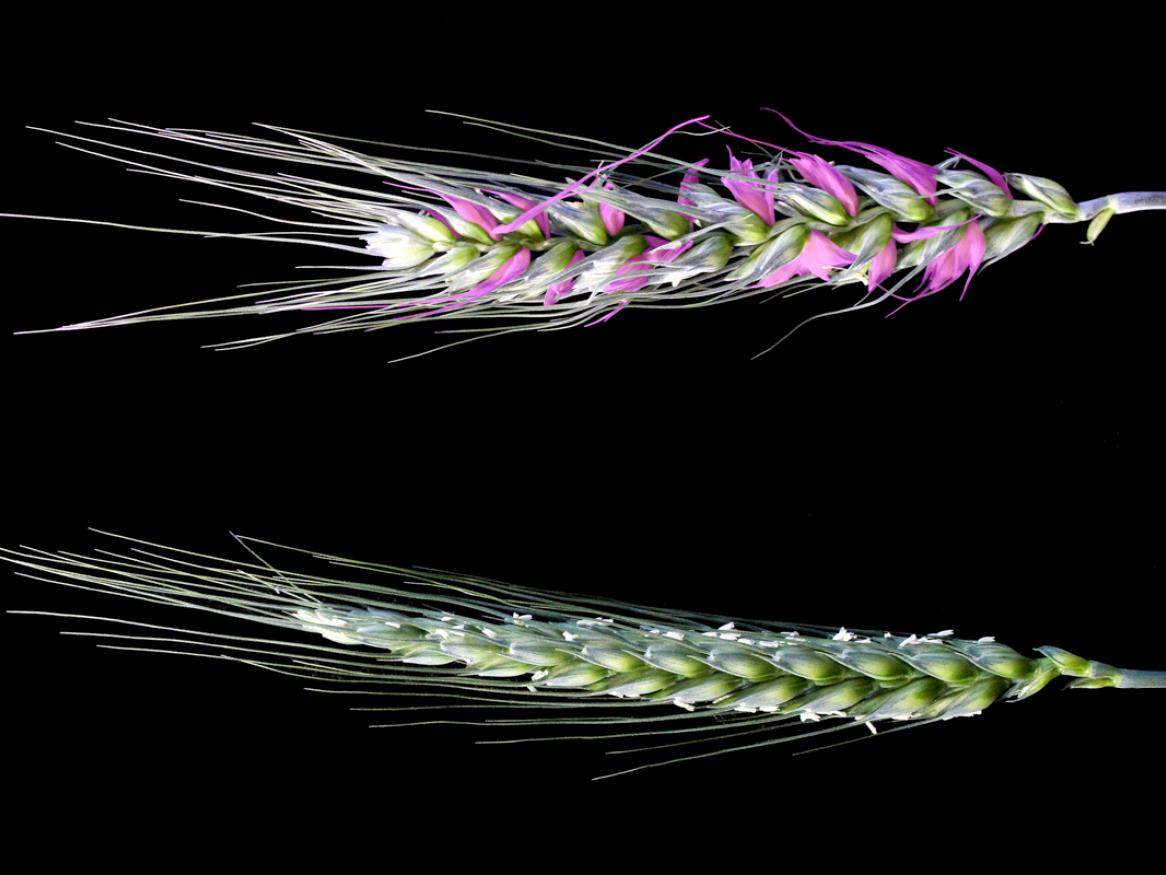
(1137, 679)
(1123, 202)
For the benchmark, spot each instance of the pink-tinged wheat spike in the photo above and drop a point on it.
(634, 228)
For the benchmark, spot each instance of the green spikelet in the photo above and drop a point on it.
(522, 648)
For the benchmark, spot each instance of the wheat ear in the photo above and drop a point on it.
(462, 639)
(632, 228)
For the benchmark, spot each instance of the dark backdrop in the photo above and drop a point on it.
(991, 465)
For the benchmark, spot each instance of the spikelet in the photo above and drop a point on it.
(641, 229)
(463, 638)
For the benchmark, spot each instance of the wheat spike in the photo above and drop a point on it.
(498, 646)
(638, 229)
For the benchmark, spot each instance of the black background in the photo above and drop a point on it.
(992, 465)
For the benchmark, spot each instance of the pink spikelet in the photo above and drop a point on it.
(641, 228)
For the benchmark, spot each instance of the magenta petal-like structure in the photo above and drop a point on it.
(818, 256)
(821, 173)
